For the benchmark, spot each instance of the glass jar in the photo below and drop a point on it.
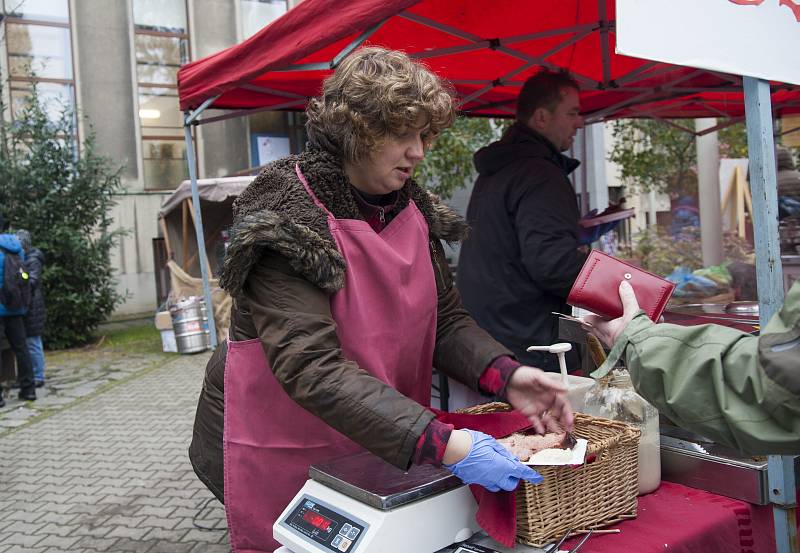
(615, 398)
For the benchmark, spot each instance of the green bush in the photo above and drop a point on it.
(448, 165)
(62, 194)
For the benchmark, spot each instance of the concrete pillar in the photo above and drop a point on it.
(589, 180)
(224, 144)
(596, 166)
(104, 70)
(652, 219)
(708, 193)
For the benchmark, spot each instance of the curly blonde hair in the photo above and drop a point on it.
(376, 92)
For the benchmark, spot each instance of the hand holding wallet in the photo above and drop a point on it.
(597, 287)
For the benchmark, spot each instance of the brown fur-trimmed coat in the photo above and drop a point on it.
(281, 267)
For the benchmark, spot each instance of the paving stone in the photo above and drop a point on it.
(156, 522)
(152, 501)
(57, 508)
(125, 510)
(17, 538)
(110, 473)
(90, 519)
(156, 511)
(136, 546)
(161, 534)
(56, 518)
(169, 547)
(24, 527)
(126, 532)
(211, 548)
(13, 423)
(85, 508)
(92, 543)
(58, 542)
(94, 531)
(60, 529)
(203, 535)
(24, 516)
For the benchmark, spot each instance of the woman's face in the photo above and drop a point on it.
(392, 163)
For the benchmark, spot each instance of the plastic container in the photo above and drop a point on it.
(577, 388)
(190, 323)
(615, 398)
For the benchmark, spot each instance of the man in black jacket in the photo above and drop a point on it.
(522, 256)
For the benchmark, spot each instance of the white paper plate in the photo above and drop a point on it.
(578, 457)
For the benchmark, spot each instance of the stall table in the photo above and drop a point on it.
(679, 519)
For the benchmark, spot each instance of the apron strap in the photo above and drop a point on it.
(310, 192)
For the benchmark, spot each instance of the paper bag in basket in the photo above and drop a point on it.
(597, 285)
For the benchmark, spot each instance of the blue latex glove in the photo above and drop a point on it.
(491, 465)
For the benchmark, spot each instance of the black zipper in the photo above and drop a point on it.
(381, 215)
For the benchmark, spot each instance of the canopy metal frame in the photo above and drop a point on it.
(758, 116)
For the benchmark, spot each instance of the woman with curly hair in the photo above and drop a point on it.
(343, 302)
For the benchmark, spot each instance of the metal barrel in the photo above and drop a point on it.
(190, 323)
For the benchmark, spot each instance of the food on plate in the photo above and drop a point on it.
(523, 446)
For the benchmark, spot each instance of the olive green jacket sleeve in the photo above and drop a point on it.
(740, 390)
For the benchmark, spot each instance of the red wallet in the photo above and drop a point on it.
(597, 285)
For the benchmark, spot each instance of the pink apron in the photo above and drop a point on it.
(386, 323)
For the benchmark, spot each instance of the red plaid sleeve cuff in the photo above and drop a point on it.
(432, 443)
(494, 379)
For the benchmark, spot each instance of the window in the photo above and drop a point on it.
(162, 45)
(39, 51)
(257, 14)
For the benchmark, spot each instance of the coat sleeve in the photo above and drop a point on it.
(543, 210)
(33, 265)
(711, 380)
(293, 320)
(463, 349)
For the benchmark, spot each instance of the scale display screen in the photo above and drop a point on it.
(324, 526)
(317, 520)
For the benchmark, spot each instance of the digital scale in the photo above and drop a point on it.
(362, 504)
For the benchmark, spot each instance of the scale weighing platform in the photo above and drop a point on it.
(362, 504)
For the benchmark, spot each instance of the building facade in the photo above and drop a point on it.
(116, 62)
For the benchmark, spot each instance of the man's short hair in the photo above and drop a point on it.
(543, 90)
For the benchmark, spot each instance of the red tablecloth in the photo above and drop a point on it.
(679, 519)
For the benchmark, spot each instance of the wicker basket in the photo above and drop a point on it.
(597, 494)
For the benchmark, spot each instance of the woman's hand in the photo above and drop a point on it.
(541, 398)
(608, 331)
(486, 462)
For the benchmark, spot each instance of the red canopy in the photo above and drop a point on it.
(486, 48)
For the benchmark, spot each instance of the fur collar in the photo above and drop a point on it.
(274, 213)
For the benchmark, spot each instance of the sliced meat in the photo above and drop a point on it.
(524, 445)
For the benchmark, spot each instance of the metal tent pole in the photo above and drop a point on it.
(198, 222)
(769, 273)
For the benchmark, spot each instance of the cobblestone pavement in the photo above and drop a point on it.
(111, 472)
(72, 375)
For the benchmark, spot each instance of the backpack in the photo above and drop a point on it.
(16, 292)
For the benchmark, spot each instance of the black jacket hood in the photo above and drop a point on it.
(518, 142)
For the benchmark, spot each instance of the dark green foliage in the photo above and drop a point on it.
(448, 164)
(62, 196)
